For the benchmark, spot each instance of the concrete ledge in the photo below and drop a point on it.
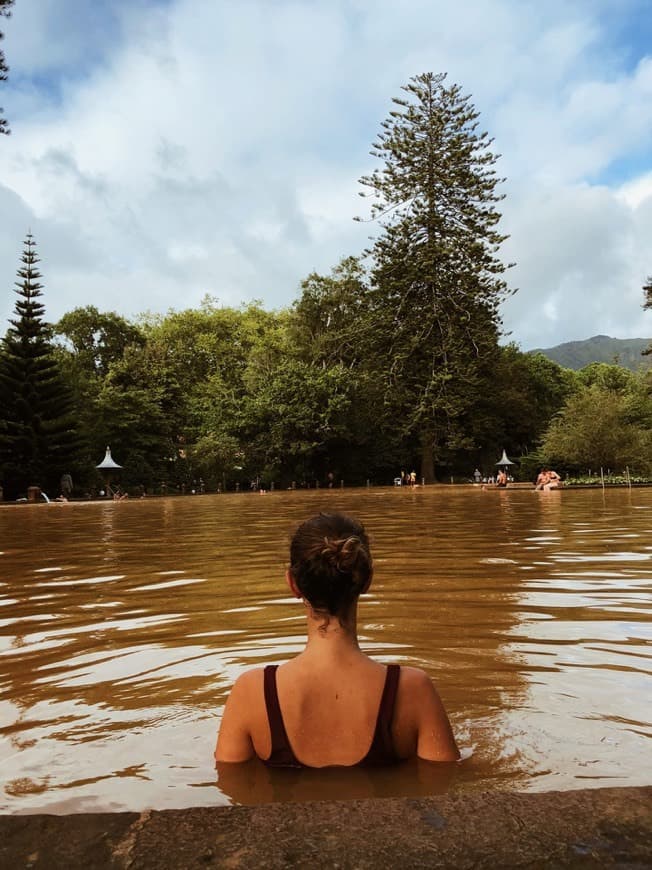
(591, 828)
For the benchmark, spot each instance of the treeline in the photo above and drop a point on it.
(231, 395)
(390, 362)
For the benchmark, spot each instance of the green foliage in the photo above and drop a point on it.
(608, 377)
(647, 292)
(89, 344)
(5, 11)
(609, 479)
(603, 427)
(326, 328)
(526, 391)
(38, 439)
(647, 303)
(96, 339)
(215, 457)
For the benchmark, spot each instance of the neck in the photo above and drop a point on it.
(332, 633)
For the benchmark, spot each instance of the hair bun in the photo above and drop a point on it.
(330, 561)
(342, 553)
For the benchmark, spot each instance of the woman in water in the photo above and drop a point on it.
(332, 705)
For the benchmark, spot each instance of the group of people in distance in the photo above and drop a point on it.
(548, 479)
(332, 705)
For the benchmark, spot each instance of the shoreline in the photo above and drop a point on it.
(484, 487)
(604, 827)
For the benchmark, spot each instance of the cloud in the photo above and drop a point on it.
(161, 151)
(583, 268)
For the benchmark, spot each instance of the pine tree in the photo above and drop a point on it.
(37, 438)
(647, 293)
(436, 277)
(5, 11)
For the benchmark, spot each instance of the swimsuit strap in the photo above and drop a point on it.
(381, 750)
(281, 754)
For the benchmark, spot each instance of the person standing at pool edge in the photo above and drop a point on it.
(332, 705)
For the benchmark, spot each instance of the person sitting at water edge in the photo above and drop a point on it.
(548, 479)
(332, 705)
(553, 481)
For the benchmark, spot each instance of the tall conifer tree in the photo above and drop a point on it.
(5, 12)
(37, 436)
(647, 293)
(436, 278)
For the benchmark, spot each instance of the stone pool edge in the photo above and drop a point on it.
(605, 827)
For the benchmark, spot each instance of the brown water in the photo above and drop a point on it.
(123, 626)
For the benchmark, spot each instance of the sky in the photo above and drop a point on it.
(165, 150)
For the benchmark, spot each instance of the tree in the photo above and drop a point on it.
(5, 12)
(38, 440)
(97, 339)
(608, 376)
(606, 421)
(326, 323)
(593, 431)
(140, 410)
(436, 280)
(527, 390)
(647, 293)
(291, 421)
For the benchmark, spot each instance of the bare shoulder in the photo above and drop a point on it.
(415, 680)
(249, 682)
(247, 693)
(414, 675)
(234, 742)
(424, 712)
(416, 692)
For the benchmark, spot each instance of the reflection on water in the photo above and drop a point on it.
(123, 626)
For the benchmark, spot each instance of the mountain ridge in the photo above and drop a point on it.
(626, 352)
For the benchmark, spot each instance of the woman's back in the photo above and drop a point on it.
(364, 728)
(330, 715)
(323, 706)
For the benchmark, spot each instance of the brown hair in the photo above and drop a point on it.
(330, 561)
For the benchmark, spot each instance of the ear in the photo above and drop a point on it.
(294, 589)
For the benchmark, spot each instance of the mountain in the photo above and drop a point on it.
(625, 352)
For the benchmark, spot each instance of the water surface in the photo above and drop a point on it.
(123, 626)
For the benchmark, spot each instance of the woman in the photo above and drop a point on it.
(553, 480)
(542, 479)
(332, 705)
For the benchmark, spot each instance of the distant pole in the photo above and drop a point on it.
(602, 476)
(629, 479)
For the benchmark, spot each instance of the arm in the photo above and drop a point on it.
(435, 740)
(234, 741)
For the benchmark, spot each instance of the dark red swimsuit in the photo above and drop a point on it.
(381, 750)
